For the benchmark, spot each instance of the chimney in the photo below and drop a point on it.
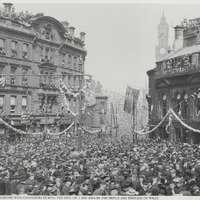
(65, 24)
(7, 8)
(178, 40)
(71, 31)
(82, 36)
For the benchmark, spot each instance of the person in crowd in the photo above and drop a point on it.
(103, 167)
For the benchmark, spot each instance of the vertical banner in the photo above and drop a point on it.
(195, 59)
(130, 100)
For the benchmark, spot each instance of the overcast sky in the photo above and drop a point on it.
(120, 38)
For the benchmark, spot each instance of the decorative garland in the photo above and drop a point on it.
(169, 124)
(56, 134)
(142, 133)
(12, 128)
(65, 100)
(66, 90)
(184, 124)
(22, 132)
(92, 132)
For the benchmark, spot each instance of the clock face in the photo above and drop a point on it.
(162, 35)
(162, 51)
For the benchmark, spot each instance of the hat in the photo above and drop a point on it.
(177, 180)
(131, 192)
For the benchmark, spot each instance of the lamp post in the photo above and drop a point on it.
(80, 113)
(80, 102)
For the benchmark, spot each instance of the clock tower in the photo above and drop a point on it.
(161, 49)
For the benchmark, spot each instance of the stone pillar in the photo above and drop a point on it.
(82, 37)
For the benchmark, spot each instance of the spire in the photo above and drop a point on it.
(163, 19)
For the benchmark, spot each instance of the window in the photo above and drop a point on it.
(13, 49)
(14, 45)
(46, 78)
(1, 102)
(198, 103)
(41, 55)
(13, 78)
(51, 78)
(12, 105)
(24, 103)
(75, 63)
(178, 103)
(47, 55)
(69, 61)
(63, 59)
(69, 80)
(1, 69)
(24, 77)
(185, 106)
(164, 105)
(25, 51)
(80, 63)
(2, 43)
(51, 56)
(75, 78)
(2, 49)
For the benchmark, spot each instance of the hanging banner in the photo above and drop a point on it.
(130, 99)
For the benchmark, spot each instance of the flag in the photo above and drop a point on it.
(130, 99)
(2, 81)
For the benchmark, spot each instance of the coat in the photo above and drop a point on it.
(2, 187)
(65, 190)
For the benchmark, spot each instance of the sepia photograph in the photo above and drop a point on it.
(99, 99)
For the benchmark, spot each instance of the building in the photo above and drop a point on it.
(35, 50)
(174, 83)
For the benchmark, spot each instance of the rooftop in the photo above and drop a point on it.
(183, 51)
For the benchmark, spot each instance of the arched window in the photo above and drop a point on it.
(185, 106)
(47, 78)
(41, 78)
(164, 105)
(51, 78)
(178, 102)
(198, 103)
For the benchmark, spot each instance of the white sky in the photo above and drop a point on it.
(120, 38)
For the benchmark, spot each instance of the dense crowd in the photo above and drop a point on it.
(53, 166)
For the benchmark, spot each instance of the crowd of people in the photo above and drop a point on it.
(34, 166)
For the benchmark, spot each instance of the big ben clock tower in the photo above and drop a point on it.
(161, 50)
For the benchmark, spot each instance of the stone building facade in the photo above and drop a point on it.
(175, 83)
(35, 50)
